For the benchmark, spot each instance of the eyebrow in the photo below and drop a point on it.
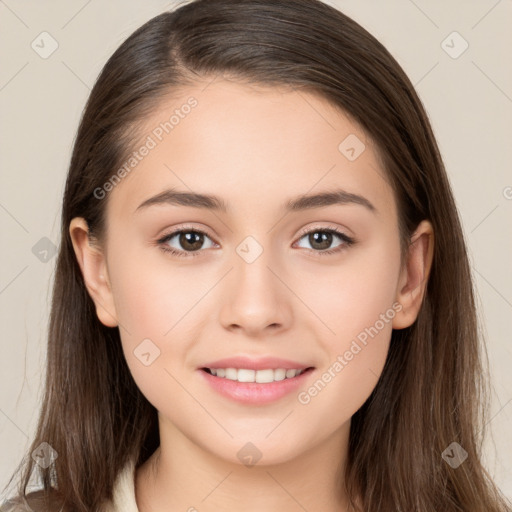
(304, 202)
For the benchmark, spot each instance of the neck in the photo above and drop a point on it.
(181, 475)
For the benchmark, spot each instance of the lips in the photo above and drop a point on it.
(254, 381)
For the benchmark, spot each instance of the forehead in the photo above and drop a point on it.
(246, 142)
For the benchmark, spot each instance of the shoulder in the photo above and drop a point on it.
(38, 501)
(123, 499)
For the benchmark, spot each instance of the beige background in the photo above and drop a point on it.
(469, 101)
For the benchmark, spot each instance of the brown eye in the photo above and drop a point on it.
(321, 240)
(191, 240)
(182, 241)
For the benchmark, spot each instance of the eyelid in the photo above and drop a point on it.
(322, 227)
(186, 227)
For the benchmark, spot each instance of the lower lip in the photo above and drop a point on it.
(255, 393)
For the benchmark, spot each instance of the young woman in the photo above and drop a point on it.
(262, 298)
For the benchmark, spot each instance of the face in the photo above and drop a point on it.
(273, 279)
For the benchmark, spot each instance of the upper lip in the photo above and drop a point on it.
(256, 364)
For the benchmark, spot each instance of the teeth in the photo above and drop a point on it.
(231, 373)
(260, 376)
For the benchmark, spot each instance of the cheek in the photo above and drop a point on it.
(152, 307)
(357, 304)
(350, 296)
(341, 387)
(154, 295)
(158, 304)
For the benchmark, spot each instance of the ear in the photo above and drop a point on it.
(93, 265)
(414, 276)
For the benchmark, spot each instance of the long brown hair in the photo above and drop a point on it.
(432, 389)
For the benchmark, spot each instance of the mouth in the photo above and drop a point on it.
(256, 387)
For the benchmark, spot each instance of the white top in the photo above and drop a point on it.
(123, 499)
(124, 491)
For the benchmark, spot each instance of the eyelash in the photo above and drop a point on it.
(162, 242)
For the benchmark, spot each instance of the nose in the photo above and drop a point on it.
(255, 300)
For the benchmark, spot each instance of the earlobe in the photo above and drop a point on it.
(414, 276)
(92, 263)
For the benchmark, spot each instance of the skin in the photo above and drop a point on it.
(256, 148)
